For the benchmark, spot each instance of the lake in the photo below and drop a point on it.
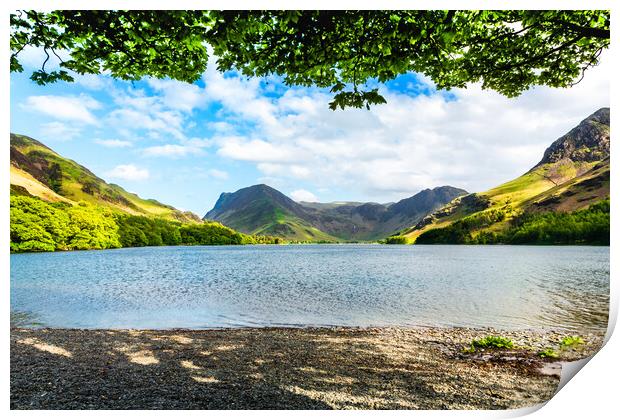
(509, 287)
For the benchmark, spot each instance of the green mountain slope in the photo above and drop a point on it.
(572, 175)
(260, 209)
(59, 205)
(51, 177)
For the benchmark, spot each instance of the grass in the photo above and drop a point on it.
(519, 195)
(548, 353)
(571, 341)
(499, 342)
(490, 341)
(75, 177)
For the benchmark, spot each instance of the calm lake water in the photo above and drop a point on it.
(508, 287)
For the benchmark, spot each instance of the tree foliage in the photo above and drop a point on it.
(40, 226)
(396, 240)
(588, 226)
(346, 51)
(37, 225)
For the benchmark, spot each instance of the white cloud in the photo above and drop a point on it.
(71, 108)
(57, 131)
(221, 127)
(179, 95)
(239, 96)
(164, 112)
(255, 150)
(472, 138)
(218, 174)
(113, 143)
(133, 119)
(128, 172)
(199, 142)
(91, 81)
(303, 195)
(172, 150)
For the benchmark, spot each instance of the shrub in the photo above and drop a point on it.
(37, 225)
(492, 341)
(571, 341)
(396, 240)
(548, 353)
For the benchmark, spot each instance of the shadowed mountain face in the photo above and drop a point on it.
(260, 209)
(573, 174)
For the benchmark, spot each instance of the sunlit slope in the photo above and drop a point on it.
(262, 210)
(573, 174)
(51, 177)
(33, 186)
(575, 194)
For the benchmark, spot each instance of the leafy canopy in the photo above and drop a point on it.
(37, 225)
(508, 51)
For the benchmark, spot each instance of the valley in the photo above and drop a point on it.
(568, 190)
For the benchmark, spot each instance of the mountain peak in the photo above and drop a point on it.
(426, 201)
(246, 196)
(588, 142)
(601, 116)
(261, 209)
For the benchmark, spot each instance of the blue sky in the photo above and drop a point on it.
(184, 144)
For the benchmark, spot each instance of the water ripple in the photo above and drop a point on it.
(352, 285)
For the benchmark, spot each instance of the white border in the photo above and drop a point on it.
(591, 394)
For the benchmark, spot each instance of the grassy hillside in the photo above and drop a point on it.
(589, 226)
(527, 193)
(59, 205)
(260, 209)
(38, 225)
(51, 177)
(573, 175)
(264, 217)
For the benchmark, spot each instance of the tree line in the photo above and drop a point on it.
(588, 226)
(37, 225)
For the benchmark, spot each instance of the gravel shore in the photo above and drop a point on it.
(281, 368)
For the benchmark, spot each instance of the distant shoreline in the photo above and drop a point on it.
(303, 244)
(285, 368)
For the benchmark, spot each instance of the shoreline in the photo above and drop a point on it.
(304, 244)
(284, 368)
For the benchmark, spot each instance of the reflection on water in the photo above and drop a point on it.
(356, 285)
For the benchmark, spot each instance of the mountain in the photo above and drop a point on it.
(39, 171)
(260, 209)
(572, 175)
(588, 142)
(263, 210)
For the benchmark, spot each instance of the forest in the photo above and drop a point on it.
(588, 226)
(37, 225)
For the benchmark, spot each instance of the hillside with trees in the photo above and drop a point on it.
(564, 199)
(59, 205)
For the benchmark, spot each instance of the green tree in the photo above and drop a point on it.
(37, 225)
(587, 226)
(508, 51)
(92, 228)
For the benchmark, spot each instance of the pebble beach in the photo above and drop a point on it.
(283, 368)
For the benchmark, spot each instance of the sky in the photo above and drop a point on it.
(184, 144)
